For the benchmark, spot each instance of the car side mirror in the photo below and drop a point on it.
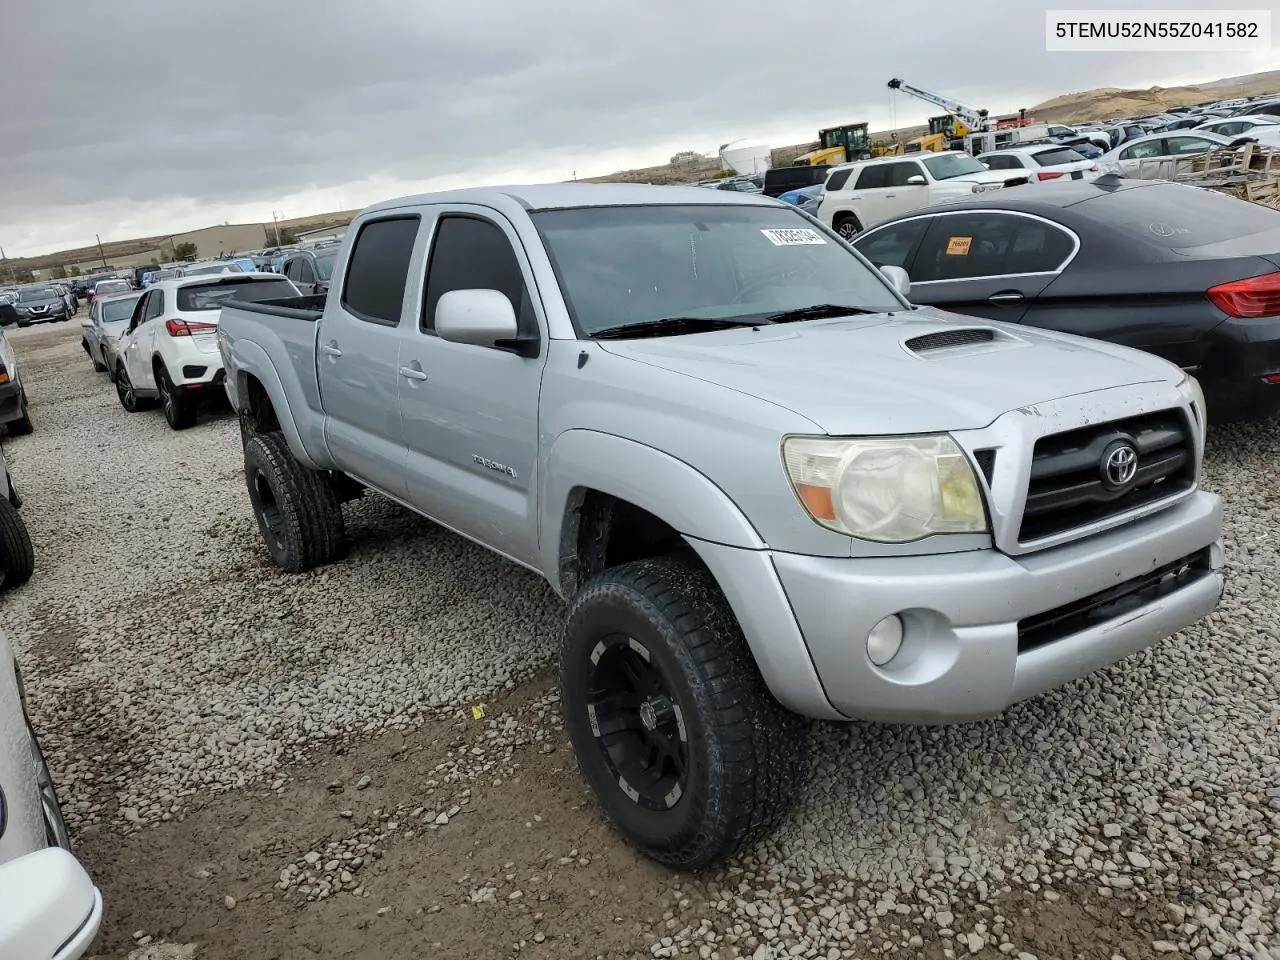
(898, 279)
(50, 903)
(916, 181)
(482, 318)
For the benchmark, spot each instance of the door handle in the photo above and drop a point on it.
(890, 196)
(331, 349)
(1009, 296)
(412, 373)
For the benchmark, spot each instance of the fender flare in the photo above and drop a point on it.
(250, 360)
(655, 481)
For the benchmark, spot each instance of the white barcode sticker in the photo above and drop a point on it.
(793, 237)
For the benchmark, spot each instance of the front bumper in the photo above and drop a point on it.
(975, 636)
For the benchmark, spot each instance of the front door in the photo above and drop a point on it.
(141, 346)
(470, 413)
(357, 355)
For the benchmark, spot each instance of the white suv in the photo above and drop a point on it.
(170, 349)
(860, 195)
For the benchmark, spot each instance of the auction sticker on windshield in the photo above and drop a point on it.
(793, 237)
(959, 246)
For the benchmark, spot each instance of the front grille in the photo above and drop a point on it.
(951, 338)
(1113, 602)
(1070, 486)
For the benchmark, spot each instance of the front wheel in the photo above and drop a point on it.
(678, 736)
(21, 426)
(129, 398)
(17, 557)
(297, 510)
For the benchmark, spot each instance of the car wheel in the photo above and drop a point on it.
(98, 365)
(55, 827)
(129, 398)
(848, 227)
(22, 426)
(17, 557)
(298, 511)
(178, 410)
(675, 731)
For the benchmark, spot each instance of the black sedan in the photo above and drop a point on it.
(1189, 274)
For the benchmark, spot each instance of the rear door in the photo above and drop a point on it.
(470, 412)
(358, 353)
(990, 263)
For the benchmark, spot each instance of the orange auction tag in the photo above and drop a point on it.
(959, 246)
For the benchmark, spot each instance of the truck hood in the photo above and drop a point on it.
(857, 375)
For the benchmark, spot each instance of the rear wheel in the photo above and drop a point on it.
(676, 732)
(180, 411)
(17, 557)
(298, 512)
(22, 426)
(847, 226)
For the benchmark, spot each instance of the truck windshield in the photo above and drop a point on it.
(626, 265)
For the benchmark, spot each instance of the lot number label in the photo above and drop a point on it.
(959, 246)
(793, 237)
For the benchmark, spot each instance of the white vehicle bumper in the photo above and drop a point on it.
(51, 907)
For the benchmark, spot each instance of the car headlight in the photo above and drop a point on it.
(886, 489)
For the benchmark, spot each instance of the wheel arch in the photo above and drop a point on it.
(257, 391)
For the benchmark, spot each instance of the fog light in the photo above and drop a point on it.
(885, 640)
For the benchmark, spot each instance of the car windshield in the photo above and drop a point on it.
(625, 265)
(948, 165)
(43, 293)
(122, 309)
(324, 264)
(1178, 216)
(211, 295)
(112, 286)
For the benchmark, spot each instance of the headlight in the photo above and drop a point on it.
(887, 489)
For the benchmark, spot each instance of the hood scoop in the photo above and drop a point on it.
(964, 340)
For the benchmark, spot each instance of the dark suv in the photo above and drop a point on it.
(41, 305)
(779, 180)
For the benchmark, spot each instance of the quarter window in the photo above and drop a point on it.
(837, 180)
(469, 253)
(379, 268)
(966, 246)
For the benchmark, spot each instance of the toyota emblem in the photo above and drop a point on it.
(1119, 465)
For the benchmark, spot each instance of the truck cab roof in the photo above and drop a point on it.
(559, 196)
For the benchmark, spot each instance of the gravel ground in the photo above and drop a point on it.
(176, 674)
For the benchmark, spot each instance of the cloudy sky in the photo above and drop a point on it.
(140, 117)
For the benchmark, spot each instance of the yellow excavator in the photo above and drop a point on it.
(838, 145)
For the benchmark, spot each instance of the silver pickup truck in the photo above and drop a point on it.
(767, 485)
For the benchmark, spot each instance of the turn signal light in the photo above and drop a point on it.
(1049, 174)
(184, 328)
(1249, 298)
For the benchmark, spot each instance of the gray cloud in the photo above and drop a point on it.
(145, 116)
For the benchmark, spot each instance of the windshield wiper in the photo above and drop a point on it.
(670, 325)
(816, 311)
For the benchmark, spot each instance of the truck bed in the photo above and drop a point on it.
(307, 308)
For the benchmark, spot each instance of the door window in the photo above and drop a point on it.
(892, 246)
(873, 177)
(469, 253)
(379, 268)
(1141, 151)
(1181, 146)
(966, 246)
(305, 273)
(155, 305)
(899, 173)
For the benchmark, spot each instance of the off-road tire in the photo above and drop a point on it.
(297, 511)
(22, 426)
(179, 411)
(744, 749)
(17, 558)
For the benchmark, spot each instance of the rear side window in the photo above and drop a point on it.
(1051, 158)
(1009, 162)
(473, 254)
(838, 179)
(379, 268)
(873, 177)
(211, 296)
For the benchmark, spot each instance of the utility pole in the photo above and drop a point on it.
(275, 227)
(4, 264)
(100, 253)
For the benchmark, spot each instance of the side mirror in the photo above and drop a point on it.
(482, 318)
(898, 279)
(917, 181)
(51, 906)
